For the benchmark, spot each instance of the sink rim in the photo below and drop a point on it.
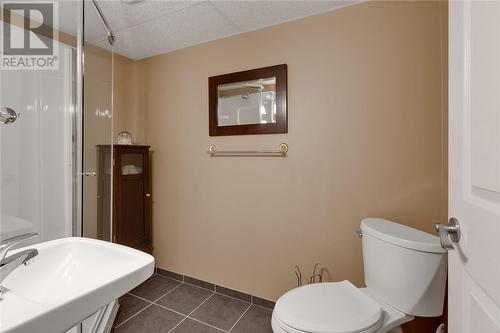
(28, 315)
(79, 246)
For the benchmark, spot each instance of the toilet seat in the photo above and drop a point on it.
(337, 307)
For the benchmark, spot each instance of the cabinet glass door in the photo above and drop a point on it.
(132, 164)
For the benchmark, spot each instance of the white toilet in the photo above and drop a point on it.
(405, 275)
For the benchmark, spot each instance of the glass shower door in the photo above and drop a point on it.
(98, 128)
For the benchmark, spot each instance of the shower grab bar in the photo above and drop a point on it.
(109, 32)
(281, 152)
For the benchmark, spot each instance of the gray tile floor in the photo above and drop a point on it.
(164, 305)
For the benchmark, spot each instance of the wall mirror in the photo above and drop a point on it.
(249, 102)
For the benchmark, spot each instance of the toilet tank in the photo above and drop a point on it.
(404, 267)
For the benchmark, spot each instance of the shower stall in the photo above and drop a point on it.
(36, 150)
(51, 122)
(48, 171)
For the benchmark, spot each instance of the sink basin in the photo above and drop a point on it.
(69, 280)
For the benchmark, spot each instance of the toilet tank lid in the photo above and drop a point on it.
(401, 235)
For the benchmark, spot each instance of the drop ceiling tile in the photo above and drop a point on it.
(120, 14)
(94, 27)
(136, 42)
(150, 27)
(123, 15)
(251, 15)
(187, 27)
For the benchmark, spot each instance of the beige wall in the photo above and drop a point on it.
(366, 136)
(128, 98)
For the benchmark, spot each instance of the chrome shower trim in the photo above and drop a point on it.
(78, 144)
(109, 32)
(8, 115)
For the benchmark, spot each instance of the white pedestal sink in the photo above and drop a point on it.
(69, 280)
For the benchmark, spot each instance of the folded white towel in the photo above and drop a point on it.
(131, 170)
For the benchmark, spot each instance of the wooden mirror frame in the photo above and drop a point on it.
(281, 124)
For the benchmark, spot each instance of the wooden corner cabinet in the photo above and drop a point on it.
(131, 194)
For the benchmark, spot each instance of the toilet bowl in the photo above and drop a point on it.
(334, 307)
(405, 275)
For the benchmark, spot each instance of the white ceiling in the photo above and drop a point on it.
(151, 27)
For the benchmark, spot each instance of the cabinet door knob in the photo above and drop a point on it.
(148, 195)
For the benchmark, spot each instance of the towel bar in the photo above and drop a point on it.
(281, 152)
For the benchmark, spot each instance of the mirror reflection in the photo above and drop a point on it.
(246, 103)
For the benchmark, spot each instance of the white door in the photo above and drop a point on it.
(474, 165)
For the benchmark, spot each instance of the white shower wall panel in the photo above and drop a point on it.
(36, 150)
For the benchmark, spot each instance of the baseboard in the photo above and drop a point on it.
(216, 288)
